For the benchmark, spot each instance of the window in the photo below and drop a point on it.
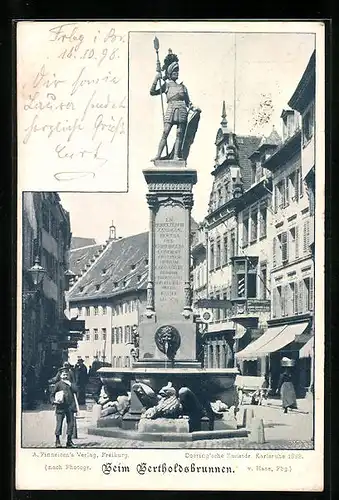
(96, 310)
(292, 252)
(308, 294)
(217, 253)
(253, 173)
(121, 338)
(79, 311)
(281, 194)
(307, 125)
(45, 218)
(254, 226)
(232, 246)
(127, 361)
(245, 225)
(211, 255)
(283, 243)
(263, 281)
(217, 310)
(225, 254)
(294, 289)
(127, 334)
(113, 336)
(87, 334)
(88, 311)
(263, 221)
(279, 301)
(54, 227)
(104, 310)
(293, 186)
(103, 333)
(96, 336)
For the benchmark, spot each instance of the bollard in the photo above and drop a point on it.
(75, 429)
(96, 414)
(248, 417)
(257, 433)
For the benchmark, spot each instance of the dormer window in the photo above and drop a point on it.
(139, 277)
(104, 271)
(146, 262)
(133, 266)
(97, 287)
(307, 125)
(81, 289)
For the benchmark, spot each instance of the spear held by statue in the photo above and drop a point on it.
(156, 47)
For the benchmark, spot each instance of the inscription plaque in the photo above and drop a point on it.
(169, 260)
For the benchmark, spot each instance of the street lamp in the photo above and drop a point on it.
(37, 274)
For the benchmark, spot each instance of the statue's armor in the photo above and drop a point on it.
(178, 101)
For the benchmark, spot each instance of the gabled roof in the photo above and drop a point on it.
(247, 144)
(80, 257)
(77, 242)
(121, 267)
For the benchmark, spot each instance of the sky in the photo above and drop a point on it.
(243, 68)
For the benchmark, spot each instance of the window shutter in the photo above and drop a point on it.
(311, 294)
(295, 298)
(297, 242)
(274, 303)
(284, 246)
(300, 180)
(296, 181)
(274, 257)
(301, 297)
(306, 245)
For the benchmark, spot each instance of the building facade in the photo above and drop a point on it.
(109, 294)
(290, 331)
(46, 236)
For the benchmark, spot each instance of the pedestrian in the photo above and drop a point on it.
(67, 366)
(287, 391)
(66, 405)
(81, 379)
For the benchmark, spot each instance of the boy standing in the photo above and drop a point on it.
(65, 406)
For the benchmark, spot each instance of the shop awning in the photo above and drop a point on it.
(307, 349)
(274, 339)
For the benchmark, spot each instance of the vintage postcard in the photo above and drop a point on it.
(170, 322)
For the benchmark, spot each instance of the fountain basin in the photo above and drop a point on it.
(206, 383)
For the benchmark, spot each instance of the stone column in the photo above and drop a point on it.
(152, 202)
(188, 204)
(206, 356)
(222, 363)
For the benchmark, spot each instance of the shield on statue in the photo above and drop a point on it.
(191, 130)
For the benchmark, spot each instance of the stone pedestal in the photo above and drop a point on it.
(167, 332)
(175, 425)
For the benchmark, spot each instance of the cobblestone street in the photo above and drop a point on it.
(282, 431)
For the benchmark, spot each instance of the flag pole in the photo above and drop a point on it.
(156, 47)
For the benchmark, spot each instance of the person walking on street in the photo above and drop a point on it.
(287, 391)
(81, 379)
(66, 405)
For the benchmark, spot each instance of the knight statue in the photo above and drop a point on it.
(180, 111)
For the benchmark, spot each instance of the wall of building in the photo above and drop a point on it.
(108, 325)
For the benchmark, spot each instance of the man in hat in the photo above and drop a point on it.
(81, 379)
(65, 403)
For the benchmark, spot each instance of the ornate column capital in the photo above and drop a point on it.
(152, 201)
(187, 200)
